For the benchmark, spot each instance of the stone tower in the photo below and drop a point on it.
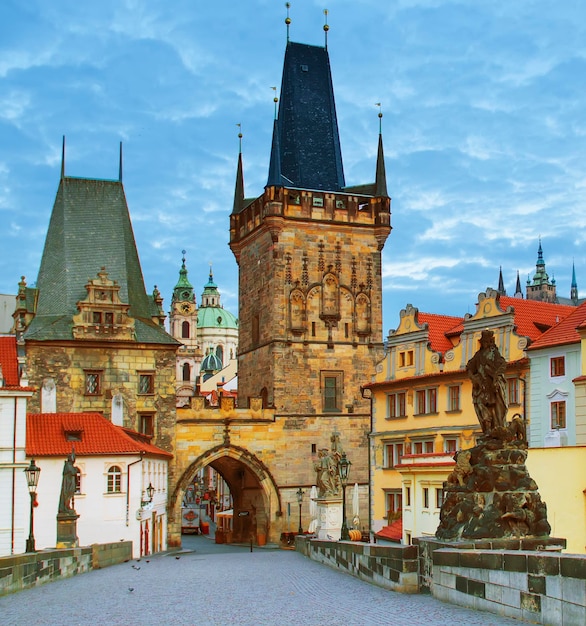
(309, 256)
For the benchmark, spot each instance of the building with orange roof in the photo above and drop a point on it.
(422, 409)
(14, 495)
(122, 480)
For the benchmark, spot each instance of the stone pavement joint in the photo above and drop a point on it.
(211, 584)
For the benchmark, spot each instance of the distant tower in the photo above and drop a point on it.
(501, 288)
(574, 288)
(541, 288)
(183, 318)
(217, 328)
(518, 289)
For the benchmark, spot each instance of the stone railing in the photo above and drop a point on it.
(22, 571)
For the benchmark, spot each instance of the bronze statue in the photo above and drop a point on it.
(486, 370)
(68, 486)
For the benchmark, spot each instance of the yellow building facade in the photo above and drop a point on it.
(422, 401)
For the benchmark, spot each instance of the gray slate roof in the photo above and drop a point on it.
(89, 229)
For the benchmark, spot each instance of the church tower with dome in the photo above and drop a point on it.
(208, 334)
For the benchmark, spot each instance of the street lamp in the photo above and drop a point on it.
(32, 480)
(150, 490)
(299, 494)
(343, 471)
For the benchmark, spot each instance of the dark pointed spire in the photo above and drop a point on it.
(63, 159)
(518, 290)
(120, 165)
(540, 260)
(274, 179)
(239, 187)
(574, 286)
(380, 186)
(501, 287)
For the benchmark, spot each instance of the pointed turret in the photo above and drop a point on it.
(501, 287)
(574, 286)
(541, 288)
(380, 187)
(239, 187)
(518, 290)
(275, 177)
(210, 295)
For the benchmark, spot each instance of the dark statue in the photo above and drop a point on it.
(489, 493)
(489, 387)
(68, 486)
(326, 468)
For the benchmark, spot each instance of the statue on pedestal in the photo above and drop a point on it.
(68, 486)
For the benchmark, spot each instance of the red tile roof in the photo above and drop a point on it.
(438, 327)
(9, 361)
(533, 318)
(564, 332)
(393, 532)
(46, 435)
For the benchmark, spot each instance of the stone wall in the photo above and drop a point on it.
(540, 587)
(23, 571)
(391, 567)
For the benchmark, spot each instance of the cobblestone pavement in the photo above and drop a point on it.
(226, 585)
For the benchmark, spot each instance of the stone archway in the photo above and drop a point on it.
(254, 492)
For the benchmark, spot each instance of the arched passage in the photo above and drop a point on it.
(256, 499)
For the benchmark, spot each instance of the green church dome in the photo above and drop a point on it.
(215, 317)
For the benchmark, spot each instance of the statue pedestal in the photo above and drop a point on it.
(67, 531)
(329, 518)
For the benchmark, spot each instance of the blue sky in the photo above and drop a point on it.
(484, 130)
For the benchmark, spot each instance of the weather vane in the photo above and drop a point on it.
(275, 100)
(380, 116)
(326, 27)
(288, 19)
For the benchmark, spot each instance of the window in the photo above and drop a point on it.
(114, 479)
(147, 424)
(318, 201)
(93, 383)
(454, 398)
(78, 483)
(185, 330)
(558, 415)
(186, 372)
(439, 497)
(220, 354)
(558, 366)
(394, 503)
(331, 384)
(406, 358)
(513, 390)
(407, 496)
(146, 383)
(426, 497)
(393, 453)
(450, 444)
(96, 317)
(396, 404)
(423, 446)
(426, 400)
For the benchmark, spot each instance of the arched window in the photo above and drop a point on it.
(220, 354)
(114, 479)
(186, 372)
(185, 330)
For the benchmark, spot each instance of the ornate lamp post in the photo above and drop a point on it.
(299, 494)
(150, 490)
(32, 480)
(343, 471)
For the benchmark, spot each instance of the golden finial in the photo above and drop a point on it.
(326, 27)
(275, 100)
(380, 116)
(288, 19)
(240, 136)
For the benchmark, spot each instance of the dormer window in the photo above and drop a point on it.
(73, 435)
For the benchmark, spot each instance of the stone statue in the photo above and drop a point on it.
(486, 370)
(68, 486)
(328, 481)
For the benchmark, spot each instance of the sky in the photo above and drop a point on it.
(484, 130)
